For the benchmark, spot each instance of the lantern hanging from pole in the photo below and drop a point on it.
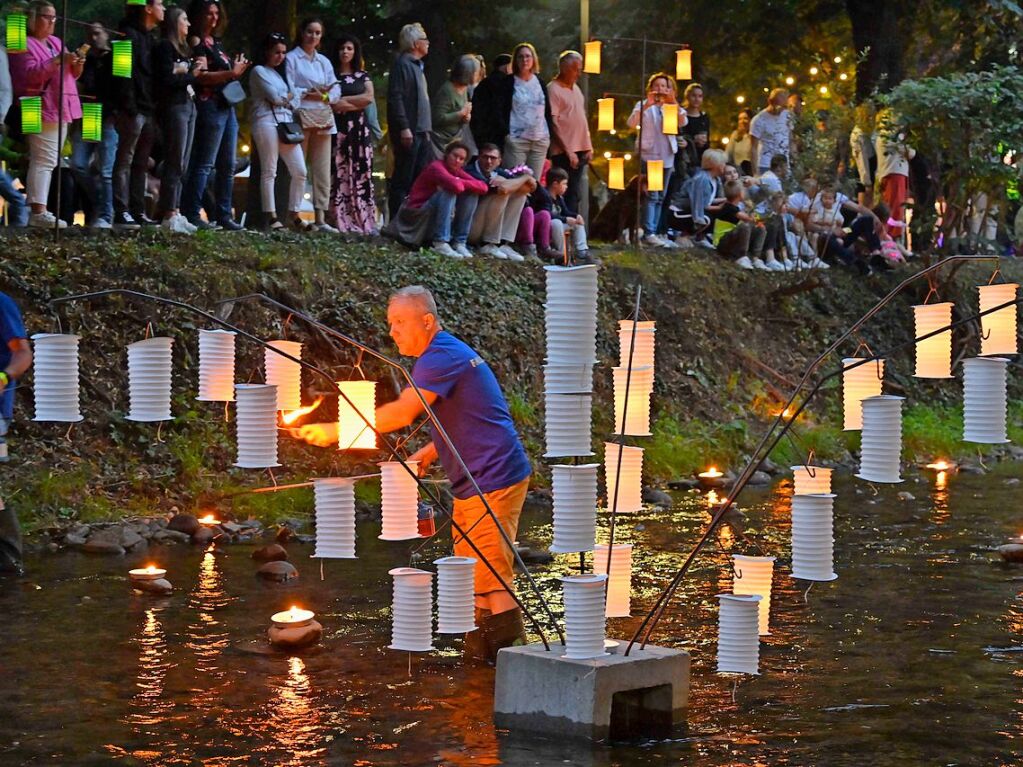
(684, 64)
(934, 354)
(55, 368)
(655, 175)
(570, 314)
(149, 380)
(810, 480)
(122, 61)
(567, 425)
(643, 356)
(574, 489)
(285, 374)
(31, 114)
(352, 431)
(399, 501)
(17, 33)
(92, 121)
(999, 328)
(619, 585)
(858, 383)
(984, 400)
(606, 114)
(584, 615)
(813, 544)
(456, 601)
(334, 517)
(881, 441)
(669, 119)
(754, 575)
(216, 366)
(616, 173)
(591, 60)
(641, 386)
(412, 610)
(256, 426)
(630, 485)
(738, 634)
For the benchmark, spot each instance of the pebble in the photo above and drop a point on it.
(159, 587)
(171, 536)
(760, 478)
(1011, 552)
(904, 496)
(657, 497)
(272, 553)
(294, 637)
(281, 572)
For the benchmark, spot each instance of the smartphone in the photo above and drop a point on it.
(83, 49)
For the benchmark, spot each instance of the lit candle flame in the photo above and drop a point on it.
(209, 519)
(151, 569)
(711, 473)
(289, 418)
(941, 465)
(294, 614)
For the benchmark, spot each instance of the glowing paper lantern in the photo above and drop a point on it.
(619, 585)
(984, 400)
(655, 175)
(256, 426)
(881, 441)
(412, 610)
(92, 121)
(584, 615)
(122, 61)
(149, 380)
(754, 575)
(31, 114)
(669, 119)
(641, 386)
(335, 517)
(810, 480)
(630, 486)
(738, 634)
(643, 356)
(606, 114)
(567, 425)
(933, 355)
(570, 314)
(399, 501)
(999, 328)
(616, 173)
(684, 64)
(574, 489)
(352, 432)
(55, 367)
(591, 60)
(135, 2)
(568, 379)
(285, 374)
(216, 366)
(857, 384)
(17, 33)
(456, 600)
(812, 541)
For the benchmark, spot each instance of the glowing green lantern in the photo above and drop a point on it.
(135, 2)
(92, 121)
(17, 33)
(122, 58)
(31, 114)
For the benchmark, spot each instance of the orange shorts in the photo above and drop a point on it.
(507, 505)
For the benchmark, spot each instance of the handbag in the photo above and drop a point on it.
(233, 93)
(289, 132)
(315, 116)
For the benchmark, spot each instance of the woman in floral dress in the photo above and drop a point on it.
(352, 207)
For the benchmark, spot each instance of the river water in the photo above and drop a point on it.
(895, 663)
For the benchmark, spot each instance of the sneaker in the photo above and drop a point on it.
(786, 265)
(531, 250)
(102, 223)
(584, 258)
(461, 249)
(202, 226)
(758, 263)
(230, 225)
(705, 242)
(744, 263)
(773, 265)
(492, 250)
(145, 220)
(653, 241)
(328, 229)
(177, 225)
(125, 221)
(670, 244)
(45, 220)
(445, 250)
(511, 254)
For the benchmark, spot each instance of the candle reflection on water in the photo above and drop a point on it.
(149, 705)
(207, 638)
(294, 719)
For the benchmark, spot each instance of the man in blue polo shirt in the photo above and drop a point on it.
(15, 359)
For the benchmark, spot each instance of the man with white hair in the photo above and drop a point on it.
(571, 147)
(408, 113)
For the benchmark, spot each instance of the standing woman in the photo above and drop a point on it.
(216, 124)
(697, 127)
(174, 84)
(272, 104)
(37, 73)
(312, 78)
(352, 205)
(525, 112)
(452, 108)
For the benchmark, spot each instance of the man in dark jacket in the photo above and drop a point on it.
(485, 124)
(408, 113)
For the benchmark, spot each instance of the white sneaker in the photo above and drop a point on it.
(669, 243)
(511, 254)
(445, 250)
(773, 265)
(461, 249)
(758, 263)
(744, 263)
(492, 250)
(177, 225)
(102, 223)
(45, 220)
(787, 265)
(654, 241)
(821, 264)
(326, 228)
(705, 243)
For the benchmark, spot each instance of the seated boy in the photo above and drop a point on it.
(563, 218)
(736, 234)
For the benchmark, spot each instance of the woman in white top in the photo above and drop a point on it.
(272, 103)
(526, 112)
(312, 79)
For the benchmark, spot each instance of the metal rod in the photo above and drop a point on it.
(60, 121)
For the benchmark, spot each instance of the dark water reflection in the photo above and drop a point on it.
(886, 665)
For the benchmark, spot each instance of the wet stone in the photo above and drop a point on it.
(104, 542)
(657, 497)
(1011, 552)
(295, 637)
(159, 587)
(171, 536)
(184, 523)
(760, 478)
(279, 572)
(904, 496)
(684, 483)
(203, 536)
(272, 553)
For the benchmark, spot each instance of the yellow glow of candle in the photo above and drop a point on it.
(591, 59)
(616, 173)
(941, 465)
(711, 473)
(605, 114)
(684, 64)
(655, 175)
(294, 616)
(209, 519)
(148, 573)
(669, 119)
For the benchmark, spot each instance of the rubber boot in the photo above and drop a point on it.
(504, 630)
(476, 647)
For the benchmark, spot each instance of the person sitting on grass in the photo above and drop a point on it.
(496, 220)
(551, 199)
(736, 233)
(696, 194)
(833, 242)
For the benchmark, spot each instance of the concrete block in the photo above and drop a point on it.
(643, 695)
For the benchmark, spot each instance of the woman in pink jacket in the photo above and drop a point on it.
(37, 73)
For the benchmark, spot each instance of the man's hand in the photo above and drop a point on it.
(319, 434)
(406, 139)
(426, 455)
(573, 160)
(498, 185)
(588, 155)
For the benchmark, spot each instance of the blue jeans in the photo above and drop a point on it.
(17, 205)
(214, 147)
(100, 192)
(652, 211)
(447, 204)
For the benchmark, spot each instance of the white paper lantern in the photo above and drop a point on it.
(984, 400)
(399, 501)
(738, 637)
(575, 507)
(567, 425)
(412, 610)
(571, 314)
(999, 328)
(584, 615)
(568, 379)
(352, 431)
(754, 575)
(55, 368)
(881, 441)
(812, 537)
(644, 354)
(456, 599)
(934, 354)
(641, 386)
(285, 374)
(216, 366)
(808, 480)
(335, 517)
(619, 585)
(256, 426)
(149, 380)
(630, 488)
(857, 384)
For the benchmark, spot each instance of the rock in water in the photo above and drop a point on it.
(280, 572)
(184, 523)
(104, 542)
(657, 497)
(760, 478)
(904, 496)
(295, 637)
(1011, 552)
(272, 553)
(159, 587)
(203, 536)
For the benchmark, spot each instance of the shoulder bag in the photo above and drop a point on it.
(288, 132)
(233, 93)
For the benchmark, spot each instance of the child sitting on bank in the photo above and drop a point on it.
(736, 234)
(551, 199)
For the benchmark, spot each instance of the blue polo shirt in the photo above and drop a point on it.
(473, 411)
(12, 328)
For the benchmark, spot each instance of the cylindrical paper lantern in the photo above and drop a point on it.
(630, 487)
(149, 380)
(669, 119)
(92, 121)
(754, 575)
(285, 374)
(399, 501)
(684, 64)
(616, 173)
(31, 114)
(456, 600)
(809, 480)
(619, 585)
(352, 432)
(257, 426)
(17, 33)
(812, 541)
(591, 60)
(999, 336)
(335, 517)
(55, 366)
(575, 507)
(606, 114)
(641, 386)
(570, 314)
(881, 441)
(584, 615)
(412, 610)
(934, 354)
(216, 366)
(567, 425)
(857, 384)
(655, 175)
(984, 400)
(122, 61)
(738, 634)
(568, 379)
(643, 356)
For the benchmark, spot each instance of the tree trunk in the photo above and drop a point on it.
(875, 30)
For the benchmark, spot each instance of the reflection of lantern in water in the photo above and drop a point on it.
(149, 707)
(353, 433)
(934, 354)
(999, 336)
(858, 383)
(738, 634)
(753, 575)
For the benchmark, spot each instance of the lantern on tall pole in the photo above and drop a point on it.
(606, 114)
(591, 58)
(684, 64)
